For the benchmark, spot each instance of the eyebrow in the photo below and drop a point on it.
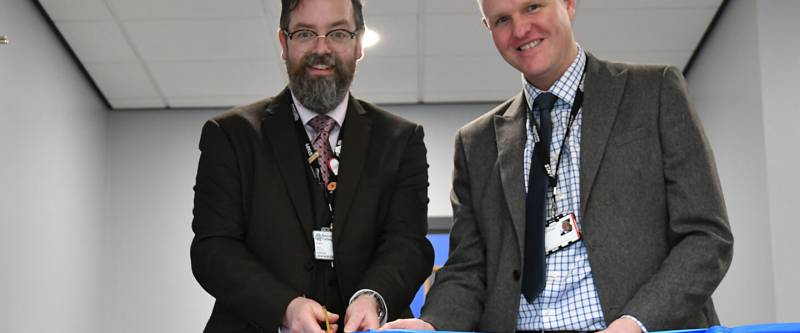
(337, 24)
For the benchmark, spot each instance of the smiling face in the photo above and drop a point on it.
(533, 36)
(320, 71)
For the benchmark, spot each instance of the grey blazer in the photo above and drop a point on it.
(654, 221)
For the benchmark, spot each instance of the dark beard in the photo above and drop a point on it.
(320, 94)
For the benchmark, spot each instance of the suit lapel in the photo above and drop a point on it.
(355, 143)
(602, 96)
(280, 133)
(510, 137)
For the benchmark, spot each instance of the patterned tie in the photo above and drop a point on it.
(323, 125)
(533, 275)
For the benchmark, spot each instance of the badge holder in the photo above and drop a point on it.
(323, 244)
(561, 231)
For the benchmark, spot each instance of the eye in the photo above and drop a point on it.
(500, 20)
(304, 34)
(339, 35)
(533, 8)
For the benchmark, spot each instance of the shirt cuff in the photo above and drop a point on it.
(644, 329)
(382, 310)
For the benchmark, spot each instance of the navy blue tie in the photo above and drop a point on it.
(533, 275)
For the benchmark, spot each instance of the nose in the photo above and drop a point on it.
(321, 45)
(521, 27)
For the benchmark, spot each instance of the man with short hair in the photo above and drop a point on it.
(312, 204)
(588, 202)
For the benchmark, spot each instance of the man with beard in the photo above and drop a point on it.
(311, 205)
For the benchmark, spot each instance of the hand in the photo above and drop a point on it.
(409, 324)
(304, 315)
(362, 314)
(622, 325)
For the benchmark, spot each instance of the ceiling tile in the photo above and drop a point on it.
(480, 78)
(209, 79)
(179, 40)
(393, 79)
(137, 103)
(273, 9)
(61, 10)
(454, 6)
(97, 41)
(122, 80)
(628, 4)
(656, 29)
(162, 9)
(211, 53)
(393, 7)
(398, 35)
(456, 34)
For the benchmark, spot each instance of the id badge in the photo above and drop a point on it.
(323, 244)
(560, 232)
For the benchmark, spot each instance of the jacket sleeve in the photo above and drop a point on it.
(456, 299)
(697, 222)
(404, 256)
(221, 262)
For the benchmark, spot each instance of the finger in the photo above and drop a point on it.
(353, 322)
(369, 323)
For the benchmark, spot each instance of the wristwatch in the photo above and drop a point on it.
(381, 304)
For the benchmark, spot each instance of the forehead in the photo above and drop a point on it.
(494, 7)
(322, 13)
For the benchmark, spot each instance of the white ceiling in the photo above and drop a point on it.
(216, 53)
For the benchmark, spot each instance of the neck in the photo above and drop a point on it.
(544, 84)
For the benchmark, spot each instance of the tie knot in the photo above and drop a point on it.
(322, 124)
(545, 101)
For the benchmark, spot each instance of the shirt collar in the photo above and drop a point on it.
(565, 87)
(337, 113)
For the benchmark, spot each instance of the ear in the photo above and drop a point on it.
(570, 5)
(282, 37)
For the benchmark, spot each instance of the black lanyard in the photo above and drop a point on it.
(552, 174)
(313, 164)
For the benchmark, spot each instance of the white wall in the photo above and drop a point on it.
(148, 284)
(744, 87)
(779, 52)
(52, 131)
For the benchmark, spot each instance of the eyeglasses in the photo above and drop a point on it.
(305, 36)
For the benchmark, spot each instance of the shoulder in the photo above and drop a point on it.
(382, 117)
(637, 74)
(484, 124)
(245, 115)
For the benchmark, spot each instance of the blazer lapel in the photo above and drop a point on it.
(510, 137)
(281, 135)
(355, 143)
(602, 95)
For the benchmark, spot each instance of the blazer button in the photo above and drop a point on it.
(309, 266)
(515, 275)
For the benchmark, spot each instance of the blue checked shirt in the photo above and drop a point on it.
(569, 300)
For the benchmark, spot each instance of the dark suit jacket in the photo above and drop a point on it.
(253, 249)
(653, 218)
